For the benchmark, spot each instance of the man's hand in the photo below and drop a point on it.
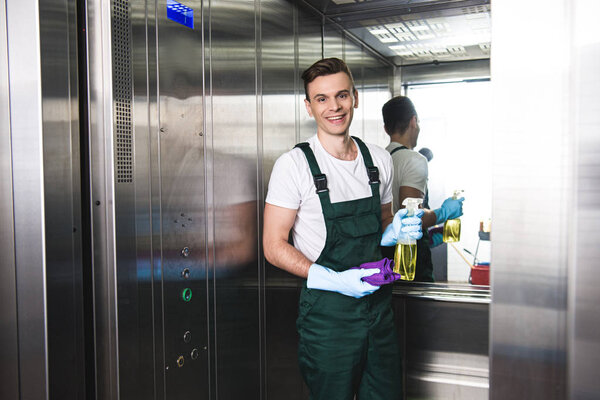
(450, 209)
(403, 227)
(348, 283)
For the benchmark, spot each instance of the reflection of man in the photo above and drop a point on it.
(410, 175)
(235, 213)
(334, 193)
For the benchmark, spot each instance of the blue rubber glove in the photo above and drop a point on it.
(347, 282)
(450, 209)
(403, 227)
(436, 240)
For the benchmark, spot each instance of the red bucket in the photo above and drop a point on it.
(480, 274)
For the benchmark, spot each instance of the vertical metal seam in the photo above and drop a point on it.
(260, 194)
(209, 201)
(322, 35)
(90, 189)
(159, 195)
(572, 202)
(344, 38)
(150, 219)
(12, 199)
(296, 73)
(110, 187)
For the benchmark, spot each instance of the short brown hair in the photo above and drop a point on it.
(326, 66)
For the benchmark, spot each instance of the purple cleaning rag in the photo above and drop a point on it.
(384, 276)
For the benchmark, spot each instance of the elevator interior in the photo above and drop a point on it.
(137, 143)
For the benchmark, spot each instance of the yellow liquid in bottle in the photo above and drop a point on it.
(405, 260)
(451, 231)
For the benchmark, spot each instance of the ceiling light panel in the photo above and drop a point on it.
(467, 35)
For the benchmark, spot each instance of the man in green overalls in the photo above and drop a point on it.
(333, 193)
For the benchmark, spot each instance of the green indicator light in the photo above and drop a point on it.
(186, 294)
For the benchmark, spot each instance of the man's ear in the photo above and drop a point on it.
(307, 104)
(413, 121)
(355, 98)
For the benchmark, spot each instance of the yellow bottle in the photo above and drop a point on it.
(452, 227)
(405, 261)
(405, 254)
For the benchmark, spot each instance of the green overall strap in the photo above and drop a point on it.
(319, 178)
(398, 148)
(372, 170)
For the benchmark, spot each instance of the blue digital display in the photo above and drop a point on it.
(179, 13)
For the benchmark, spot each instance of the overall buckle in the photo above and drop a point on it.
(373, 173)
(321, 183)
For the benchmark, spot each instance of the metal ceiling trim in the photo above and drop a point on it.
(349, 34)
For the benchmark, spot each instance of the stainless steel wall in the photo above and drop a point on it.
(184, 127)
(9, 374)
(444, 341)
(181, 155)
(232, 138)
(583, 319)
(43, 322)
(545, 211)
(531, 192)
(62, 199)
(26, 131)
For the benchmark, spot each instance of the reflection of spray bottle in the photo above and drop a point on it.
(405, 255)
(452, 226)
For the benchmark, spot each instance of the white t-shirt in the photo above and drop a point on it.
(410, 169)
(292, 186)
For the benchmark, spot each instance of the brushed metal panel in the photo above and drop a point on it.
(9, 374)
(333, 41)
(182, 214)
(103, 197)
(445, 348)
(279, 79)
(354, 58)
(376, 84)
(62, 181)
(24, 66)
(233, 159)
(281, 92)
(584, 313)
(308, 51)
(141, 369)
(532, 164)
(284, 380)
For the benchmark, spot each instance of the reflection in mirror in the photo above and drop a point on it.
(455, 125)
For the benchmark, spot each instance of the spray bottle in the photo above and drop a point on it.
(405, 255)
(452, 227)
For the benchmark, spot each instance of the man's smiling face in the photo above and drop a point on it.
(332, 103)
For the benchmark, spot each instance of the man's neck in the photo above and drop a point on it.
(402, 139)
(339, 146)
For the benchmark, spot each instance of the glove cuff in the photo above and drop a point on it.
(319, 277)
(440, 216)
